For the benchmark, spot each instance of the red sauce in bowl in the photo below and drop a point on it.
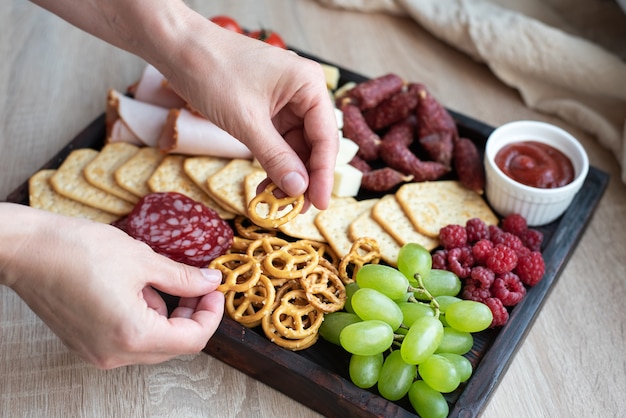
(535, 164)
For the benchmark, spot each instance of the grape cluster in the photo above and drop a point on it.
(407, 331)
(495, 263)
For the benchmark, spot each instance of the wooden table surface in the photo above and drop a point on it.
(53, 81)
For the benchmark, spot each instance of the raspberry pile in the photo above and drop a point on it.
(495, 263)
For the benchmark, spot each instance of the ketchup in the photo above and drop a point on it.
(535, 164)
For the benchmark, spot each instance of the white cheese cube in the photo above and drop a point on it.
(347, 151)
(347, 180)
(339, 118)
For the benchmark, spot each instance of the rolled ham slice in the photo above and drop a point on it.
(152, 87)
(133, 121)
(119, 132)
(190, 134)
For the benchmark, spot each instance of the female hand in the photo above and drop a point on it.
(272, 100)
(94, 286)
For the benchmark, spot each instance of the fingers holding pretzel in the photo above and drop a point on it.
(269, 211)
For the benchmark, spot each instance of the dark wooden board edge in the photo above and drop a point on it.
(327, 392)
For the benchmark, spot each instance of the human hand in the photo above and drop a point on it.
(274, 101)
(94, 286)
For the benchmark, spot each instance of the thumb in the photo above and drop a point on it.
(281, 162)
(178, 279)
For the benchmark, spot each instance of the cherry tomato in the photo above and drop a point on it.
(269, 37)
(227, 23)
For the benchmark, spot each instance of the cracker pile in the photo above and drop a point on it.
(104, 185)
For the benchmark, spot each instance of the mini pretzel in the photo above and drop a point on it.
(240, 272)
(276, 216)
(363, 251)
(291, 344)
(324, 289)
(249, 307)
(239, 245)
(263, 246)
(293, 260)
(295, 317)
(247, 229)
(323, 250)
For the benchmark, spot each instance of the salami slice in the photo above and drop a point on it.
(180, 228)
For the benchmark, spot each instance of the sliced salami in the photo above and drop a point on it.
(180, 228)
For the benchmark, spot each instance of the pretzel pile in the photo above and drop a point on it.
(283, 286)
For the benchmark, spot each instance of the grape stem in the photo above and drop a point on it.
(421, 289)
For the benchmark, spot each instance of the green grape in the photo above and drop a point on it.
(469, 316)
(396, 377)
(444, 301)
(371, 304)
(439, 373)
(411, 311)
(334, 322)
(455, 341)
(414, 259)
(387, 280)
(366, 338)
(428, 403)
(364, 370)
(461, 364)
(440, 283)
(351, 288)
(422, 340)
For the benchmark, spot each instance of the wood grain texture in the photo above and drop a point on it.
(53, 82)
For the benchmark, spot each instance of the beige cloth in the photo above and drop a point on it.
(555, 72)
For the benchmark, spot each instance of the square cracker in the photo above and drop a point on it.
(42, 196)
(199, 169)
(389, 214)
(434, 204)
(227, 185)
(334, 223)
(170, 176)
(100, 171)
(70, 182)
(133, 175)
(365, 226)
(303, 226)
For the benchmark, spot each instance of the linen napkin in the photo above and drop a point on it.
(555, 72)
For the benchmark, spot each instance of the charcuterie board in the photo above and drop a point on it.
(318, 376)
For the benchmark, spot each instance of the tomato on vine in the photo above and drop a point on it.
(227, 23)
(269, 37)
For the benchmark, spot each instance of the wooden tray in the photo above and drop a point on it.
(318, 377)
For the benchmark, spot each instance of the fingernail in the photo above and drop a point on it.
(212, 275)
(293, 184)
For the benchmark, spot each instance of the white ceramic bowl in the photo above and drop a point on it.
(539, 206)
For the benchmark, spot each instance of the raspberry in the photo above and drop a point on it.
(508, 288)
(440, 260)
(502, 259)
(515, 224)
(473, 291)
(452, 236)
(532, 239)
(500, 314)
(510, 240)
(530, 268)
(494, 231)
(460, 261)
(476, 230)
(482, 276)
(481, 251)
